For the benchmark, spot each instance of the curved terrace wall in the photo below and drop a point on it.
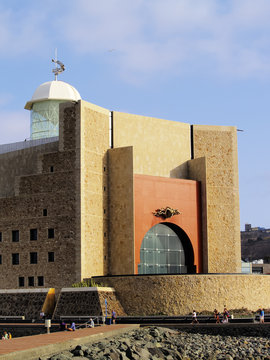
(180, 294)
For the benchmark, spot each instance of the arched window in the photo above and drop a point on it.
(162, 252)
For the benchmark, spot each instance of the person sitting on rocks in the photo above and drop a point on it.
(72, 327)
(5, 336)
(63, 326)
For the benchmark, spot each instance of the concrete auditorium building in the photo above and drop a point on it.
(149, 206)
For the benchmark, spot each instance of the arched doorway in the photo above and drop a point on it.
(166, 249)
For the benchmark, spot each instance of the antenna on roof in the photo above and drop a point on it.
(57, 70)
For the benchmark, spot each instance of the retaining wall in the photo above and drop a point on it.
(180, 294)
(87, 301)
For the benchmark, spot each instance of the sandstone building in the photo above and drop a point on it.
(80, 198)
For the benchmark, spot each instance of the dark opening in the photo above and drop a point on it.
(31, 281)
(33, 234)
(50, 256)
(45, 212)
(15, 235)
(40, 281)
(15, 259)
(33, 257)
(51, 233)
(21, 281)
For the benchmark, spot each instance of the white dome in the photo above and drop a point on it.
(53, 90)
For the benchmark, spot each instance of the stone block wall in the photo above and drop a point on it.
(28, 303)
(180, 294)
(218, 144)
(159, 146)
(52, 189)
(121, 211)
(20, 162)
(87, 302)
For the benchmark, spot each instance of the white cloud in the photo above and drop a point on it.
(173, 35)
(15, 126)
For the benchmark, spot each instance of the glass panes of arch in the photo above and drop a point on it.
(162, 252)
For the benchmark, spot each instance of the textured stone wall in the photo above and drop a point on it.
(197, 171)
(87, 302)
(218, 144)
(22, 303)
(180, 294)
(53, 188)
(94, 137)
(159, 146)
(21, 162)
(121, 211)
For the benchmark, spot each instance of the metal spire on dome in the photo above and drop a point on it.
(57, 70)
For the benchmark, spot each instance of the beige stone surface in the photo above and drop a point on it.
(197, 171)
(218, 144)
(121, 209)
(180, 294)
(94, 142)
(159, 146)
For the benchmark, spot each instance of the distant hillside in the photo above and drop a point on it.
(255, 244)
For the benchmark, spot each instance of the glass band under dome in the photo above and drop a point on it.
(45, 119)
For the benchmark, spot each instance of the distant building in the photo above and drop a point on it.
(98, 192)
(255, 243)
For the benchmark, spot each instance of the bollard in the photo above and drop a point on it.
(48, 325)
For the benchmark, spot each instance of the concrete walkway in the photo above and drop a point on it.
(31, 347)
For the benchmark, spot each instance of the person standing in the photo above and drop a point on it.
(261, 311)
(225, 316)
(113, 316)
(194, 317)
(217, 316)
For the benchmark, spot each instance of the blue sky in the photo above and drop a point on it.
(195, 61)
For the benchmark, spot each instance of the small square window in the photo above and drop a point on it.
(51, 233)
(21, 281)
(45, 212)
(40, 280)
(33, 234)
(33, 257)
(51, 169)
(0, 237)
(15, 235)
(50, 256)
(15, 259)
(31, 281)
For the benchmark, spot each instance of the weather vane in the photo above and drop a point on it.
(57, 70)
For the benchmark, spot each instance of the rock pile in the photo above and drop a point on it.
(155, 343)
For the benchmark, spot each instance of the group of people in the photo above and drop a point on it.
(72, 327)
(225, 318)
(6, 336)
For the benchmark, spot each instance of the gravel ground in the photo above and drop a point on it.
(161, 343)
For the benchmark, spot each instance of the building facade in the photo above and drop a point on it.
(117, 194)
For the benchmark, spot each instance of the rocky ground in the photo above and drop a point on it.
(160, 343)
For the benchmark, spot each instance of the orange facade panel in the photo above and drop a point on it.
(153, 192)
